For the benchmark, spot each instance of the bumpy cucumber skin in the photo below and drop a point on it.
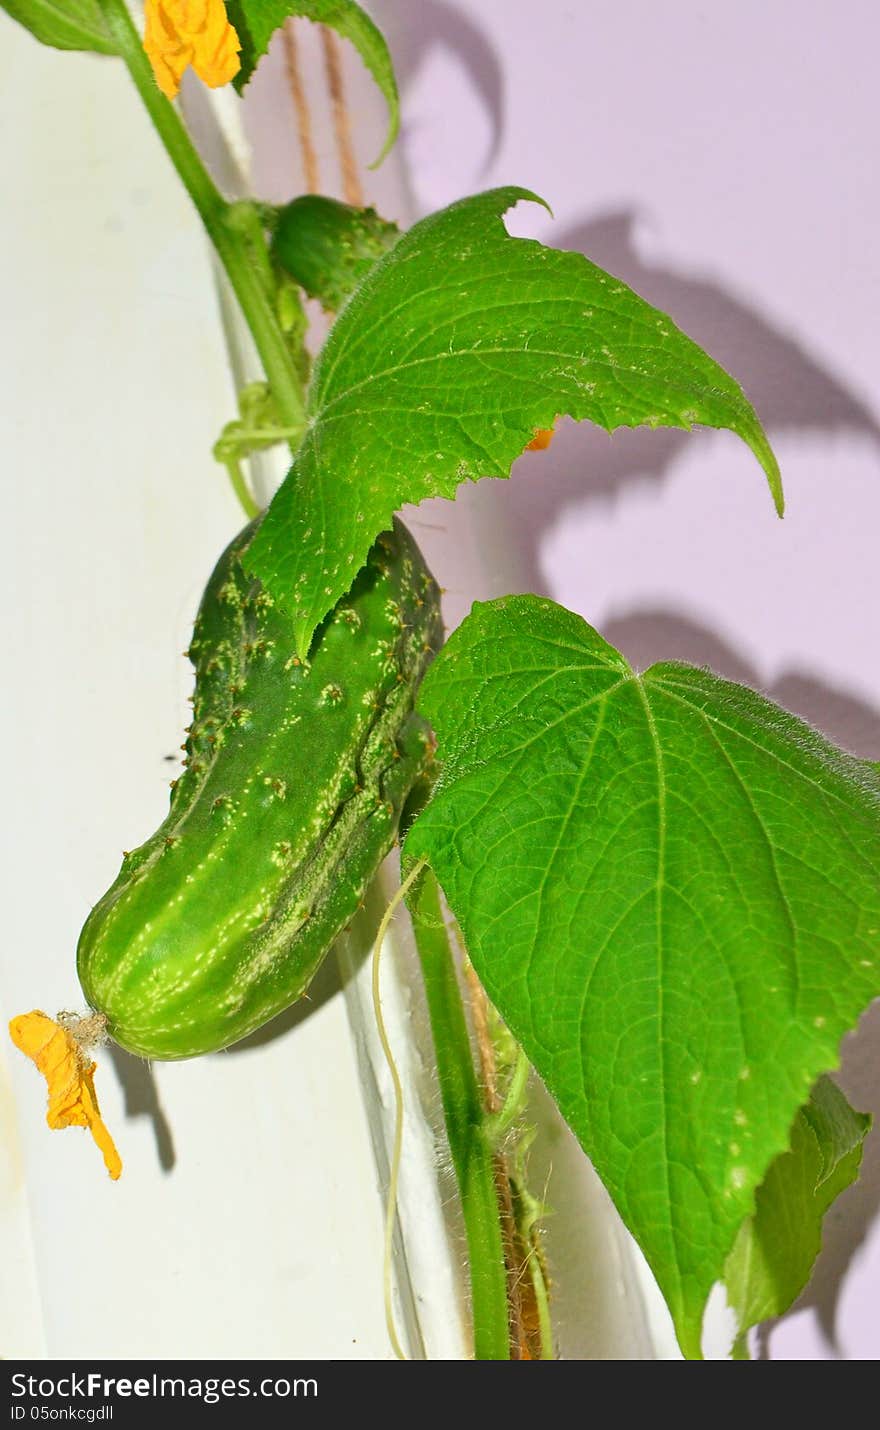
(294, 783)
(328, 246)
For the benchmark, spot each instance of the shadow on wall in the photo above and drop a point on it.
(138, 1084)
(443, 25)
(791, 391)
(648, 636)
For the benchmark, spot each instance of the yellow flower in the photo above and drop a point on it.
(541, 440)
(69, 1074)
(190, 32)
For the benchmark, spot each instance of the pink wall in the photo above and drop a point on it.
(721, 159)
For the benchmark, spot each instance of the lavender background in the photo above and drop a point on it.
(721, 159)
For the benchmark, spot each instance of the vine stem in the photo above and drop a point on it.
(465, 1116)
(233, 229)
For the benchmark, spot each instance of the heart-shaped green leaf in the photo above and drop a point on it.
(457, 346)
(671, 891)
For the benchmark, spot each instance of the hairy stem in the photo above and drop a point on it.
(238, 240)
(464, 1114)
(527, 1289)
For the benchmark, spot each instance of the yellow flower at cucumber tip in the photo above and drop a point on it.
(179, 33)
(69, 1072)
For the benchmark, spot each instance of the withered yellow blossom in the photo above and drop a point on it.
(541, 440)
(70, 1076)
(190, 32)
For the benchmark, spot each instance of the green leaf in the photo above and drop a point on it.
(774, 1252)
(64, 24)
(671, 891)
(257, 20)
(458, 345)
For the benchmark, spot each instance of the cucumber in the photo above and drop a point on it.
(329, 247)
(291, 794)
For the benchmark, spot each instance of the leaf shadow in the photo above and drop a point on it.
(442, 24)
(792, 391)
(138, 1083)
(645, 636)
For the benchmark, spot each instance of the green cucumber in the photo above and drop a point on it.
(294, 782)
(328, 247)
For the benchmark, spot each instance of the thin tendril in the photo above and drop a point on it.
(497, 1123)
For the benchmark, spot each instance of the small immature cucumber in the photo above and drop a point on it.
(329, 247)
(294, 782)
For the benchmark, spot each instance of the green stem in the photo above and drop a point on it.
(465, 1115)
(255, 437)
(228, 229)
